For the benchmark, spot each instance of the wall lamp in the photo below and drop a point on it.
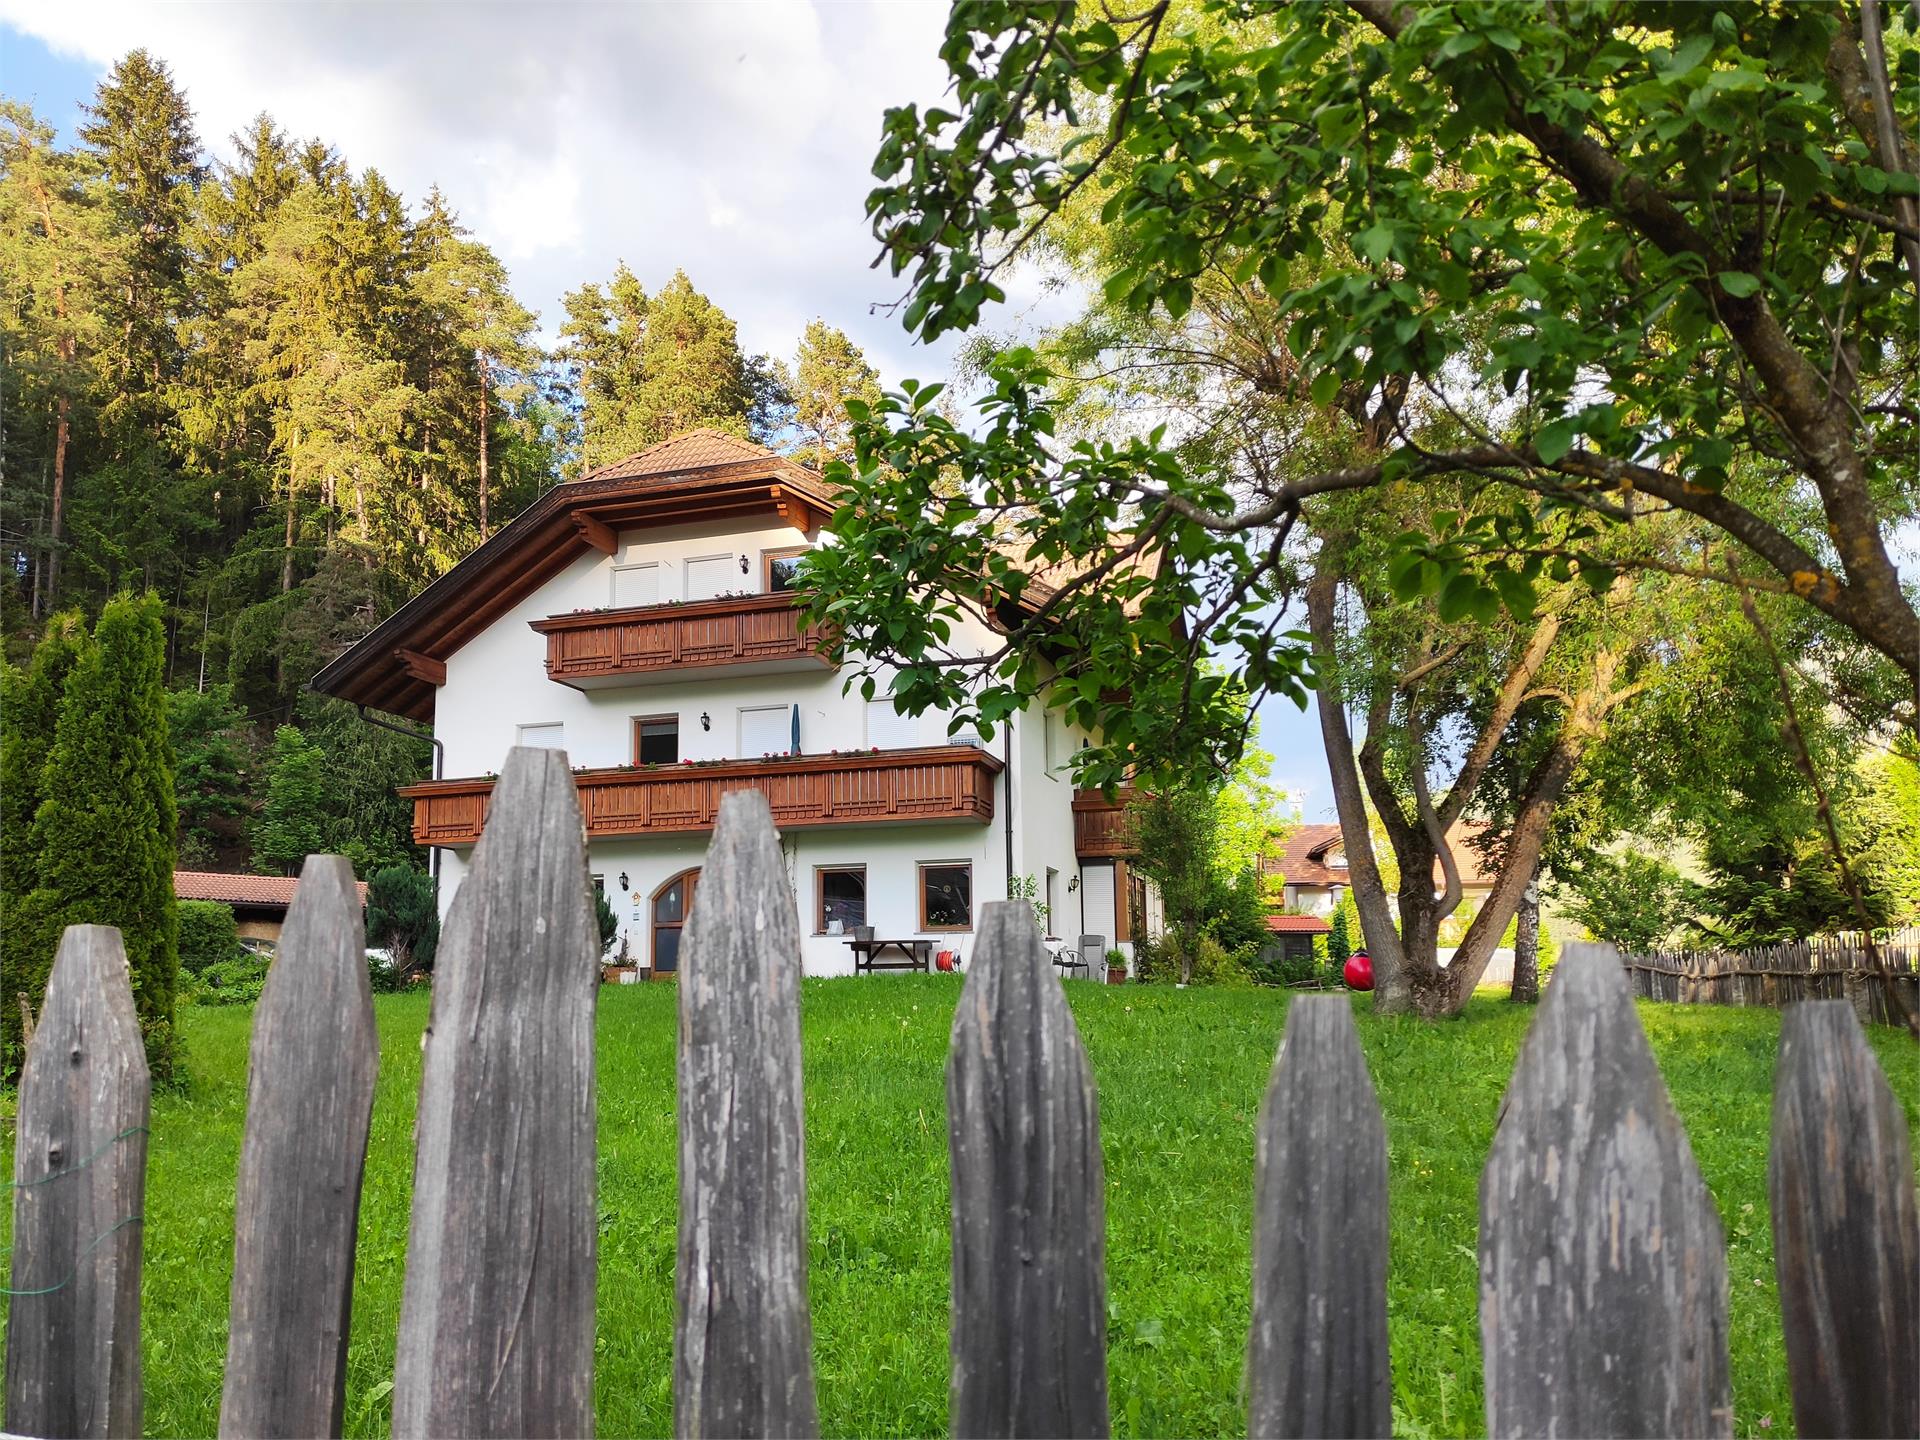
(743, 565)
(706, 721)
(1073, 883)
(623, 879)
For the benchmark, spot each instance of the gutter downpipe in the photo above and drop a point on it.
(439, 762)
(1006, 754)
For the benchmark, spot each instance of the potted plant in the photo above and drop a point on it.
(1116, 966)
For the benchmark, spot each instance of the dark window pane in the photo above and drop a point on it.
(666, 950)
(843, 897)
(782, 571)
(947, 894)
(659, 742)
(669, 907)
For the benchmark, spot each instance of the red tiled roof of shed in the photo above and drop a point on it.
(1304, 861)
(255, 891)
(1298, 925)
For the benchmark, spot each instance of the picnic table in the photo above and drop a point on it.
(868, 950)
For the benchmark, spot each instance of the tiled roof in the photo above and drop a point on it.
(261, 891)
(1297, 925)
(693, 450)
(1304, 861)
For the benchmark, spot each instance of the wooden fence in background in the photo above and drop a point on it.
(1828, 967)
(1603, 1287)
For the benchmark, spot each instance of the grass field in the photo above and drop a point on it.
(1180, 1077)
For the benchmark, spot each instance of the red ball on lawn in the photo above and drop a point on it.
(1359, 971)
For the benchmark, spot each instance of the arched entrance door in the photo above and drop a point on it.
(672, 904)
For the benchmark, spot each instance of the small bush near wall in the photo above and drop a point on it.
(238, 981)
(208, 934)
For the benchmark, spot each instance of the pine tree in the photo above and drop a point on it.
(29, 712)
(289, 826)
(828, 371)
(1340, 938)
(105, 829)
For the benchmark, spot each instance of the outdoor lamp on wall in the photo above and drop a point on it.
(623, 879)
(706, 721)
(743, 565)
(1073, 883)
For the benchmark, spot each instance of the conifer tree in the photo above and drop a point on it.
(105, 829)
(828, 371)
(29, 711)
(289, 826)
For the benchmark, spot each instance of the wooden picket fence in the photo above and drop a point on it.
(1603, 1287)
(1827, 967)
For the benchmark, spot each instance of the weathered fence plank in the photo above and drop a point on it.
(79, 1175)
(1846, 1238)
(496, 1319)
(1029, 1339)
(1603, 1279)
(743, 1341)
(297, 1207)
(1317, 1361)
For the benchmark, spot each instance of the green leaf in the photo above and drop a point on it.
(1375, 242)
(1555, 440)
(1738, 283)
(1325, 386)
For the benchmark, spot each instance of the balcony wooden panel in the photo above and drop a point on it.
(1102, 829)
(939, 783)
(757, 634)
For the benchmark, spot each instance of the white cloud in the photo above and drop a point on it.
(731, 140)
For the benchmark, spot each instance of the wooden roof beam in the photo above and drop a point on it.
(596, 533)
(421, 667)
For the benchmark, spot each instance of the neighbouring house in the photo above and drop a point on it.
(1293, 935)
(259, 902)
(1313, 868)
(643, 619)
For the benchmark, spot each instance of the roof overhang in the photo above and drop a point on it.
(397, 665)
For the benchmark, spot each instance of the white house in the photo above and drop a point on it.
(640, 618)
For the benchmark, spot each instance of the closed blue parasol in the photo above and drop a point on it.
(796, 730)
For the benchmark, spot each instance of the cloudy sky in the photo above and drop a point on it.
(732, 140)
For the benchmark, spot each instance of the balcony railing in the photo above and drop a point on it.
(1102, 829)
(941, 783)
(760, 633)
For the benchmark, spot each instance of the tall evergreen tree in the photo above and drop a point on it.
(29, 711)
(288, 827)
(828, 371)
(105, 829)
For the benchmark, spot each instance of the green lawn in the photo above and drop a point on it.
(1180, 1078)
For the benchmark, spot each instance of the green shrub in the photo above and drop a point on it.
(403, 919)
(238, 981)
(608, 922)
(208, 934)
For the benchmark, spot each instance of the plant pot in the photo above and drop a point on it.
(1116, 975)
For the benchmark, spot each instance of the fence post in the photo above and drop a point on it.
(1029, 1339)
(496, 1318)
(79, 1176)
(743, 1341)
(297, 1204)
(1317, 1361)
(1603, 1272)
(1846, 1240)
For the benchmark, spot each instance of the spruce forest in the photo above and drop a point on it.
(283, 397)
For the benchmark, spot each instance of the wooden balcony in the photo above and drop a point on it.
(1101, 827)
(897, 787)
(756, 634)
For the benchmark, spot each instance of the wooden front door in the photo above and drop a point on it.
(672, 904)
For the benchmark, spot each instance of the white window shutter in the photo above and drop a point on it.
(543, 737)
(888, 729)
(766, 730)
(635, 585)
(713, 575)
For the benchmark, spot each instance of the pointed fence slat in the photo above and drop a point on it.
(1317, 1361)
(1846, 1240)
(1603, 1280)
(79, 1175)
(743, 1344)
(1029, 1343)
(309, 1101)
(497, 1314)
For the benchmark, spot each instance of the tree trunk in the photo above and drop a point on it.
(1526, 947)
(485, 408)
(63, 413)
(1392, 992)
(286, 555)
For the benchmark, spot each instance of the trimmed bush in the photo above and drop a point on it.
(208, 934)
(403, 919)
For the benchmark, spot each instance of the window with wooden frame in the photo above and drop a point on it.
(946, 896)
(656, 739)
(779, 569)
(840, 893)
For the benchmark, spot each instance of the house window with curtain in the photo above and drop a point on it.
(946, 897)
(843, 898)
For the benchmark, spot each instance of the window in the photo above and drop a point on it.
(1053, 901)
(656, 740)
(1046, 740)
(946, 897)
(709, 576)
(766, 730)
(635, 585)
(781, 568)
(542, 737)
(888, 729)
(843, 897)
